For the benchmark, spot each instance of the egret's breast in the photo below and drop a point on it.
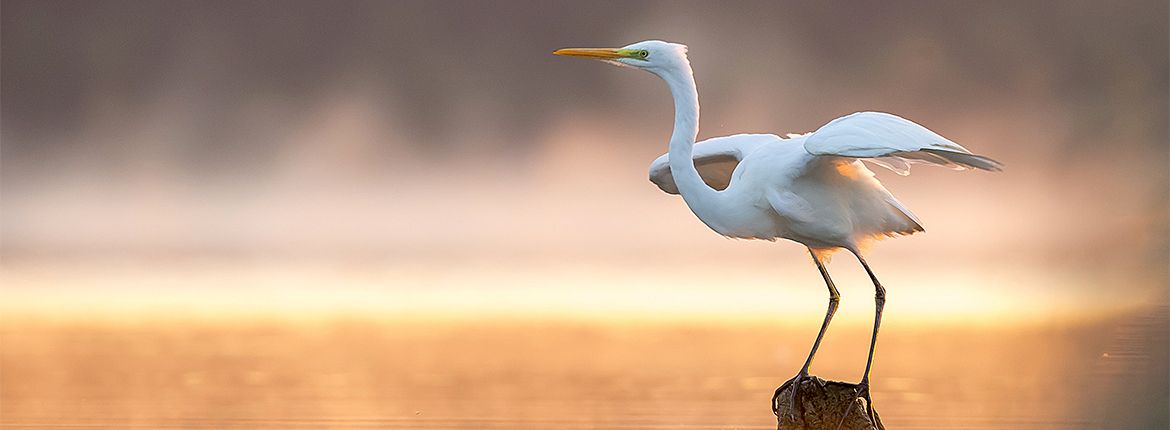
(743, 215)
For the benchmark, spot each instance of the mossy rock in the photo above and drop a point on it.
(821, 406)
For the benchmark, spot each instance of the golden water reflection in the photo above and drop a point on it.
(550, 373)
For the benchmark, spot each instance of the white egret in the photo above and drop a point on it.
(808, 188)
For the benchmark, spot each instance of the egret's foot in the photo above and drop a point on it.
(776, 398)
(796, 407)
(793, 399)
(873, 418)
(862, 391)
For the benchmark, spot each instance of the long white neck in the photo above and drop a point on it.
(686, 128)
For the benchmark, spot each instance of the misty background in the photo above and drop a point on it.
(445, 132)
(409, 214)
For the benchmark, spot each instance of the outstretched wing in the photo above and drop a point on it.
(892, 142)
(715, 159)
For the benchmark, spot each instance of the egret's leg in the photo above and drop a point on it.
(834, 299)
(880, 301)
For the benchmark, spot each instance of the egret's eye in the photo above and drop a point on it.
(643, 54)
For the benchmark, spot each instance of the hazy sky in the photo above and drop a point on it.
(416, 129)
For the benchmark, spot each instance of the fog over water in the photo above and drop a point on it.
(202, 125)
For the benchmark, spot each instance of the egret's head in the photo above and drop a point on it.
(654, 56)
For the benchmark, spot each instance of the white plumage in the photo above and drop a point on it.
(820, 195)
(810, 188)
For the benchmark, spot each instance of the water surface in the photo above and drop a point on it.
(449, 374)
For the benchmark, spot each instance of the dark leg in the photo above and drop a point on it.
(880, 300)
(834, 299)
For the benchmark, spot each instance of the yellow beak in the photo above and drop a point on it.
(594, 53)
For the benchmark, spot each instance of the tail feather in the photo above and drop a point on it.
(908, 223)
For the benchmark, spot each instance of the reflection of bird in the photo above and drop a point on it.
(807, 188)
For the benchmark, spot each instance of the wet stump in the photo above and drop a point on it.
(821, 405)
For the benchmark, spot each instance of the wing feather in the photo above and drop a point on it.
(714, 158)
(892, 142)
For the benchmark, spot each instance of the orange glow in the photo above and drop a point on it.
(743, 292)
(411, 215)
